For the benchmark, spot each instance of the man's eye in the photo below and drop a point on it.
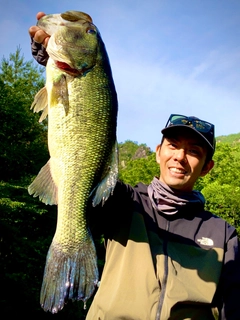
(193, 151)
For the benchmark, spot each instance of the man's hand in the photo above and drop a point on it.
(37, 34)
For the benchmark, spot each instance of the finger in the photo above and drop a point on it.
(40, 15)
(45, 42)
(40, 36)
(32, 30)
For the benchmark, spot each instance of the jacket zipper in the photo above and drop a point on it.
(164, 282)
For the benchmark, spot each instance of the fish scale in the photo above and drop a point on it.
(82, 114)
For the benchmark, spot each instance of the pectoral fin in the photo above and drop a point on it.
(40, 103)
(44, 186)
(59, 93)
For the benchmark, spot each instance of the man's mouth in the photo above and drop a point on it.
(177, 170)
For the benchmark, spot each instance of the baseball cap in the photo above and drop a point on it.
(203, 128)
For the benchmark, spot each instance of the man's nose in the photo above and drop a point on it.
(180, 155)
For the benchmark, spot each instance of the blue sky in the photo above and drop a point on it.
(167, 56)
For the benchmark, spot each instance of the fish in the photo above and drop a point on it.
(80, 102)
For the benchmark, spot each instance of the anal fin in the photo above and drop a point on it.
(107, 185)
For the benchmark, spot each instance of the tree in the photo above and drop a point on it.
(130, 150)
(27, 227)
(221, 186)
(226, 169)
(23, 140)
(140, 170)
(223, 201)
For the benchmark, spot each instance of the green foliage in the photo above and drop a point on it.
(27, 227)
(130, 150)
(22, 246)
(226, 168)
(221, 186)
(231, 138)
(227, 165)
(22, 76)
(137, 163)
(223, 200)
(127, 149)
(140, 170)
(23, 140)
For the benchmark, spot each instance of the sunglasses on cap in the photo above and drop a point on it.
(203, 128)
(199, 125)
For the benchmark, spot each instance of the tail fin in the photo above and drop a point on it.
(68, 276)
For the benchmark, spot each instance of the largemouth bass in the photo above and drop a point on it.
(80, 101)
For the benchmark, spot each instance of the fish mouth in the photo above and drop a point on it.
(66, 68)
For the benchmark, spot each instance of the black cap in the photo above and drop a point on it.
(203, 128)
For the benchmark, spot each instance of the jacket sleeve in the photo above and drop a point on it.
(230, 284)
(39, 52)
(116, 210)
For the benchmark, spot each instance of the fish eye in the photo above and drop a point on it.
(91, 31)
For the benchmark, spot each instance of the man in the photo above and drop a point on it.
(166, 257)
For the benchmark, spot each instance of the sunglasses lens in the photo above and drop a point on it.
(202, 126)
(175, 119)
(199, 125)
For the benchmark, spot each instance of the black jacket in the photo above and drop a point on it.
(164, 266)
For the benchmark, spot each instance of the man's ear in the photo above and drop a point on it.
(158, 148)
(207, 167)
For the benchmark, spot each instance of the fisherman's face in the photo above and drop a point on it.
(182, 160)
